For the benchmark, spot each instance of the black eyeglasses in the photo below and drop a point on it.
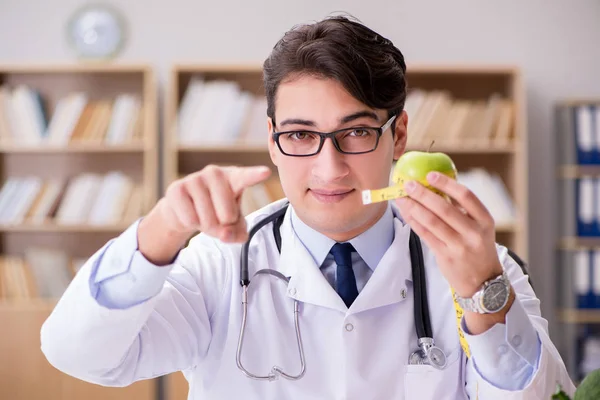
(304, 143)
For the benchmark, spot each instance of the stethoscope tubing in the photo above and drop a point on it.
(421, 306)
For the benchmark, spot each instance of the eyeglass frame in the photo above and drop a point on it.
(331, 135)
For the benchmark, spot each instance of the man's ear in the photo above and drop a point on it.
(400, 134)
(273, 151)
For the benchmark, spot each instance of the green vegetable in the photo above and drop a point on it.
(589, 388)
(560, 394)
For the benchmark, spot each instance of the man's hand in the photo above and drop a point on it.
(461, 233)
(205, 201)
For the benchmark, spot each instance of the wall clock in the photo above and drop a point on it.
(96, 32)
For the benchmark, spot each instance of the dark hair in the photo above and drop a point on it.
(368, 65)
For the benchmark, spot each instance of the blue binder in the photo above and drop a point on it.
(586, 298)
(588, 223)
(585, 128)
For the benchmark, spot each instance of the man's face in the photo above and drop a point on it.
(325, 189)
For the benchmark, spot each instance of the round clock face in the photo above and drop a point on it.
(96, 32)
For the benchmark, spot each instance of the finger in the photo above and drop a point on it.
(239, 231)
(234, 233)
(222, 197)
(203, 206)
(182, 207)
(435, 244)
(442, 208)
(413, 212)
(243, 177)
(462, 195)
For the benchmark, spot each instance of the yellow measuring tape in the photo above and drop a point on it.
(461, 334)
(371, 196)
(385, 194)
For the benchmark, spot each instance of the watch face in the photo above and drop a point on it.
(495, 297)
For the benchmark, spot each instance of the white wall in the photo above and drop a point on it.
(555, 42)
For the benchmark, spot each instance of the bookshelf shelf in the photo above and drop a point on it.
(489, 136)
(578, 171)
(574, 243)
(507, 228)
(474, 148)
(28, 305)
(73, 148)
(58, 228)
(577, 316)
(222, 149)
(78, 163)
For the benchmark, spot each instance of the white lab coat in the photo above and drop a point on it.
(360, 353)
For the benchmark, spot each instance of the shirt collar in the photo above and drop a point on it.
(371, 245)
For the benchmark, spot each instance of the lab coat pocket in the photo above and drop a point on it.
(424, 382)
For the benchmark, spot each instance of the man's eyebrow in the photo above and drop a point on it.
(297, 121)
(344, 120)
(360, 114)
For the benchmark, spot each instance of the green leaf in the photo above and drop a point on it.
(560, 394)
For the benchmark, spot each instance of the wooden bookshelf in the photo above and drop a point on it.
(505, 155)
(97, 120)
(577, 174)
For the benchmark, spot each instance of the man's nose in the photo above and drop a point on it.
(330, 163)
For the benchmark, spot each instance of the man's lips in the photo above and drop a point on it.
(330, 192)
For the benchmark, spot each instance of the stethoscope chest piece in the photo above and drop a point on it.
(428, 354)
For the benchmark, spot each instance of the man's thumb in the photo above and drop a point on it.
(243, 177)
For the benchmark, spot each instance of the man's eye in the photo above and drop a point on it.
(360, 132)
(298, 136)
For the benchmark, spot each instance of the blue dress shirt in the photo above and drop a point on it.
(507, 355)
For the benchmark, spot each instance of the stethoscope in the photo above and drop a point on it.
(427, 353)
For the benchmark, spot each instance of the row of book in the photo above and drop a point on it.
(261, 194)
(84, 199)
(219, 112)
(112, 198)
(489, 187)
(40, 273)
(580, 206)
(578, 128)
(436, 116)
(491, 190)
(586, 267)
(26, 119)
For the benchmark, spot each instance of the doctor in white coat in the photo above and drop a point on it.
(150, 303)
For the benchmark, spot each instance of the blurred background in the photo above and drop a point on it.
(101, 108)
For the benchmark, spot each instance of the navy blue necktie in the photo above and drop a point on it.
(345, 280)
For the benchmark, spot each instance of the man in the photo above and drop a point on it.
(148, 303)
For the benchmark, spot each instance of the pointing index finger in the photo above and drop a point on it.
(242, 177)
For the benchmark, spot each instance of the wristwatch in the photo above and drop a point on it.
(491, 298)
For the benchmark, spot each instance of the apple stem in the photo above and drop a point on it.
(430, 146)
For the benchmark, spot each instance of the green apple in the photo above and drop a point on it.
(415, 165)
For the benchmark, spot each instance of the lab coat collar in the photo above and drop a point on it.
(387, 284)
(307, 283)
